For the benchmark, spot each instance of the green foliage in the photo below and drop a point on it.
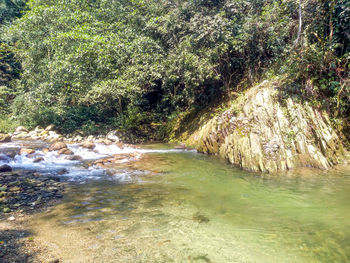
(7, 125)
(86, 64)
(321, 62)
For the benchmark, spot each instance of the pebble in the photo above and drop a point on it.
(11, 218)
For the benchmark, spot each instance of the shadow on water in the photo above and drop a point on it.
(13, 246)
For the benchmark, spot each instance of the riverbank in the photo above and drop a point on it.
(17, 241)
(23, 195)
(174, 205)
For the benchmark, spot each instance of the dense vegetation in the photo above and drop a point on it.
(88, 64)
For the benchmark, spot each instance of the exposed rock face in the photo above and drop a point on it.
(265, 133)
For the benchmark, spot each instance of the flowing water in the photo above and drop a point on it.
(181, 206)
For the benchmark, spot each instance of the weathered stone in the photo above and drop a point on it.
(39, 159)
(74, 158)
(270, 134)
(57, 146)
(50, 127)
(88, 145)
(112, 136)
(21, 129)
(26, 151)
(65, 151)
(45, 150)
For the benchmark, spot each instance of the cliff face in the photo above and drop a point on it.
(263, 132)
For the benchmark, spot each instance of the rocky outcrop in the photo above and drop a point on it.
(264, 132)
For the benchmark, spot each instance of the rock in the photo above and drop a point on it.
(112, 136)
(57, 146)
(107, 142)
(65, 151)
(265, 132)
(200, 218)
(21, 129)
(11, 218)
(120, 145)
(50, 127)
(38, 129)
(5, 137)
(181, 146)
(74, 158)
(26, 151)
(88, 145)
(38, 160)
(62, 171)
(45, 150)
(5, 168)
(44, 133)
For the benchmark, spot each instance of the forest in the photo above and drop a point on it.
(95, 65)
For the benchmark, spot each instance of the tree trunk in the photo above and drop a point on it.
(300, 24)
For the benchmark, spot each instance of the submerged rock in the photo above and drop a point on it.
(200, 218)
(265, 132)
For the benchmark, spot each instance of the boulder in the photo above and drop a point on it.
(74, 158)
(107, 142)
(5, 137)
(50, 127)
(5, 168)
(112, 136)
(26, 151)
(21, 129)
(65, 151)
(45, 150)
(57, 146)
(88, 145)
(38, 160)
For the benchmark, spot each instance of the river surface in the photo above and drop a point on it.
(181, 206)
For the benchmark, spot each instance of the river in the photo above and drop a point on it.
(181, 206)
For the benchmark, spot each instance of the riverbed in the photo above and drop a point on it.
(173, 205)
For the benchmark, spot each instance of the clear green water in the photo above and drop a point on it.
(195, 208)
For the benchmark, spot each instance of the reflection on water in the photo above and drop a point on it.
(194, 208)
